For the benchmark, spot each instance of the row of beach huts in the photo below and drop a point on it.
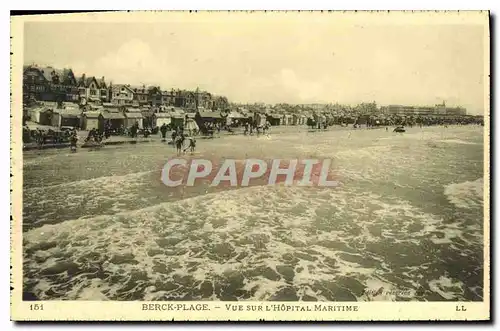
(113, 116)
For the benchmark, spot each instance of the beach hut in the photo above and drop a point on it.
(132, 116)
(260, 119)
(176, 111)
(68, 117)
(90, 120)
(177, 120)
(287, 119)
(177, 116)
(112, 118)
(234, 118)
(274, 119)
(41, 115)
(34, 114)
(161, 118)
(148, 119)
(203, 117)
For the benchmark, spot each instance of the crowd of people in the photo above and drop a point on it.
(181, 136)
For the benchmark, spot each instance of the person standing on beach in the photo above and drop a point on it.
(73, 141)
(179, 140)
(163, 130)
(174, 135)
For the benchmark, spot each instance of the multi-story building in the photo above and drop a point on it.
(439, 109)
(168, 97)
(456, 111)
(442, 109)
(189, 99)
(93, 90)
(155, 96)
(49, 84)
(220, 102)
(141, 94)
(204, 99)
(120, 94)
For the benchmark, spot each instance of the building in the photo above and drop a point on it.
(69, 117)
(155, 97)
(132, 116)
(167, 98)
(111, 118)
(121, 94)
(189, 99)
(220, 103)
(204, 99)
(234, 118)
(49, 84)
(459, 111)
(161, 118)
(204, 117)
(90, 120)
(274, 119)
(141, 95)
(439, 109)
(91, 89)
(287, 119)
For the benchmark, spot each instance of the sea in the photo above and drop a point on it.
(405, 222)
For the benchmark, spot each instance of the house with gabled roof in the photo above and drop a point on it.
(121, 94)
(141, 94)
(49, 84)
(92, 89)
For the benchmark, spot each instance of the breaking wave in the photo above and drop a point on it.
(252, 244)
(467, 194)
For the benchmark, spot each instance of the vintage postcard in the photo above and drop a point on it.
(250, 166)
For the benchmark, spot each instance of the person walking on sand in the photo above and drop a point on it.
(178, 143)
(73, 141)
(192, 145)
(174, 136)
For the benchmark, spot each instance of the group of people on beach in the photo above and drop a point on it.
(250, 128)
(179, 139)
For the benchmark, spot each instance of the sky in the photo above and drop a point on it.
(269, 61)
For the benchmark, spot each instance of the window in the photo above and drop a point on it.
(93, 92)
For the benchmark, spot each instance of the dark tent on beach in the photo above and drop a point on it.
(203, 117)
(114, 119)
(274, 119)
